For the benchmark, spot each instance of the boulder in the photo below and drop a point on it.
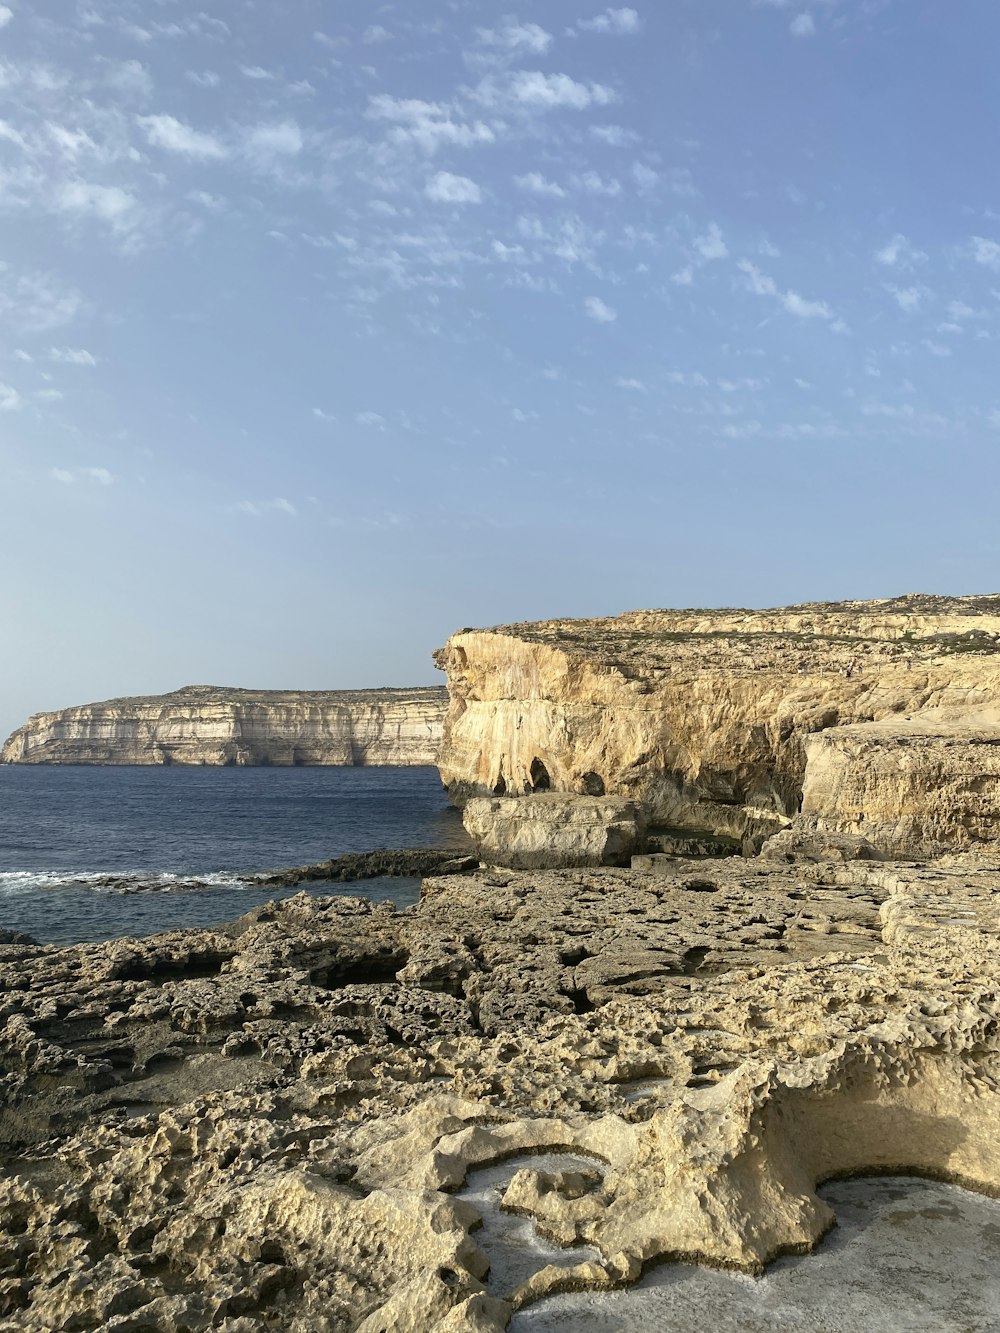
(550, 830)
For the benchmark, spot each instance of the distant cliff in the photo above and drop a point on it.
(204, 724)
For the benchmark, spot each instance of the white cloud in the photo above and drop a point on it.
(320, 415)
(899, 253)
(257, 508)
(597, 310)
(893, 411)
(798, 305)
(684, 277)
(10, 135)
(760, 284)
(615, 136)
(645, 177)
(619, 21)
(446, 188)
(542, 92)
(803, 25)
(371, 419)
(681, 183)
(711, 245)
(744, 431)
(206, 78)
(10, 399)
(636, 386)
(514, 36)
(907, 298)
(535, 183)
(937, 349)
(68, 477)
(35, 303)
(958, 310)
(6, 14)
(375, 34)
(757, 282)
(985, 252)
(172, 135)
(130, 77)
(594, 184)
(689, 379)
(212, 203)
(72, 356)
(256, 72)
(110, 203)
(426, 124)
(268, 142)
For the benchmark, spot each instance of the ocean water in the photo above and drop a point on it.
(64, 828)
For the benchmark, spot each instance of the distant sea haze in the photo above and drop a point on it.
(62, 828)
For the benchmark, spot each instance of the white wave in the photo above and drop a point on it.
(21, 882)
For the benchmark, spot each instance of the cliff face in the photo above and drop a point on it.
(710, 719)
(208, 725)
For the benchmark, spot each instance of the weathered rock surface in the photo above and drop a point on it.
(269, 1125)
(715, 720)
(928, 782)
(548, 831)
(210, 725)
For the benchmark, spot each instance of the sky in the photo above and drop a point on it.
(328, 328)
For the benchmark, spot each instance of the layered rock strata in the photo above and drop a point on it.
(209, 725)
(271, 1125)
(728, 723)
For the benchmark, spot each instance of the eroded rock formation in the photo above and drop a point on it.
(875, 718)
(209, 725)
(271, 1125)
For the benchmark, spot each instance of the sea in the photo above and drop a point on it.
(63, 829)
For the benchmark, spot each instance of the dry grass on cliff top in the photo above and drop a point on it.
(815, 636)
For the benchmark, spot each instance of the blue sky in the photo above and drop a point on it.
(329, 328)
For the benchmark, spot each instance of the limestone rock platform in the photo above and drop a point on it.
(283, 1123)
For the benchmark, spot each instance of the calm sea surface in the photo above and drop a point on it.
(62, 828)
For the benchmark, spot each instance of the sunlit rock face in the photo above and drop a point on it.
(732, 722)
(549, 830)
(209, 725)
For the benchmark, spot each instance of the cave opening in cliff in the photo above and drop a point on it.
(540, 780)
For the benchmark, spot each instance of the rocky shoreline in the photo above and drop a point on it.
(283, 1123)
(265, 1125)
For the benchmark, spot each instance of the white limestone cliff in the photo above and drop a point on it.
(731, 722)
(209, 725)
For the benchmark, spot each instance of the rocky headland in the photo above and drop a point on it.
(204, 724)
(876, 719)
(287, 1122)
